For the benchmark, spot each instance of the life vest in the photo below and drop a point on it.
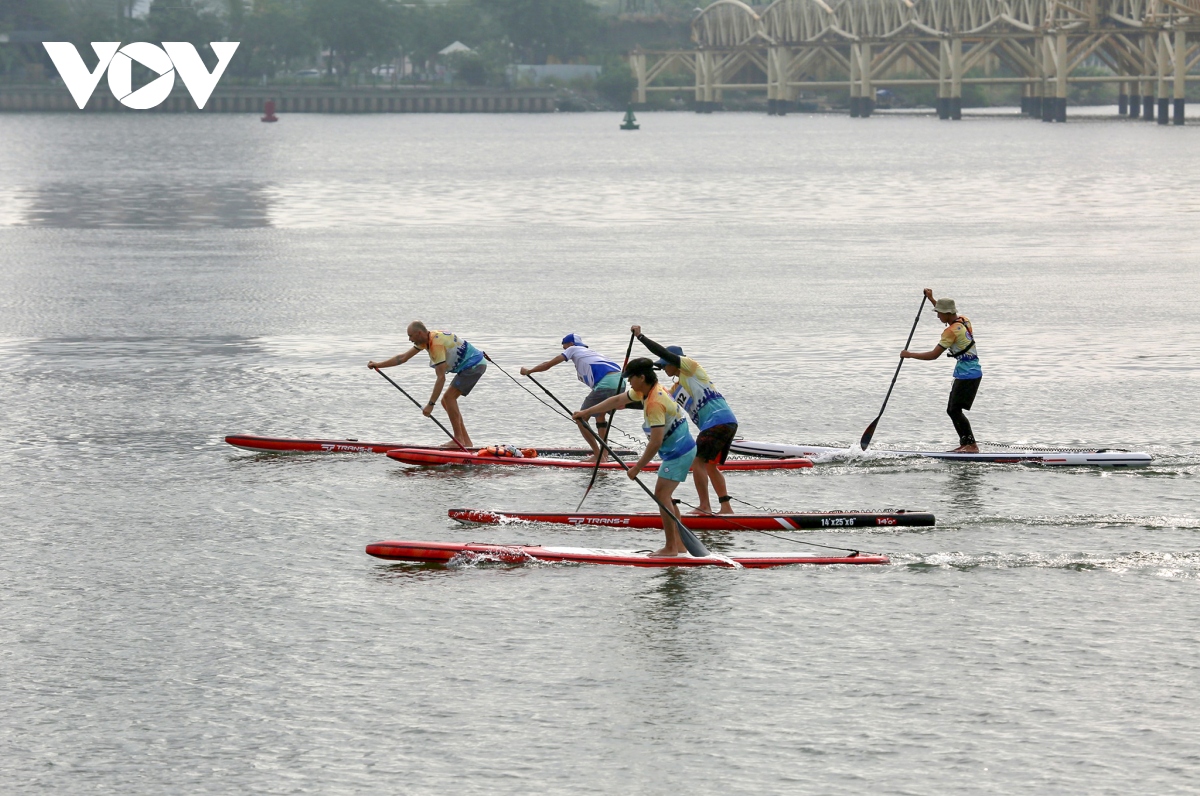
(507, 451)
(970, 336)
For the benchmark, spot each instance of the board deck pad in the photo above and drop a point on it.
(787, 521)
(471, 552)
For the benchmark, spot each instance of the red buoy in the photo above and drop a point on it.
(269, 112)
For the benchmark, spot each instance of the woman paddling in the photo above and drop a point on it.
(667, 428)
(958, 341)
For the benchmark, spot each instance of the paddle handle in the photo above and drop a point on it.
(422, 408)
(690, 541)
(611, 417)
(870, 432)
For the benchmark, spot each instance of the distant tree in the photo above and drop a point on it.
(186, 20)
(616, 83)
(541, 28)
(273, 36)
(354, 29)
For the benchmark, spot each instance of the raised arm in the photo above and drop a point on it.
(660, 351)
(549, 363)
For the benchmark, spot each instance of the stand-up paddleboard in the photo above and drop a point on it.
(447, 552)
(1066, 457)
(258, 444)
(708, 522)
(434, 458)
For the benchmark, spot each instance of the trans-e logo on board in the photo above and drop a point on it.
(165, 61)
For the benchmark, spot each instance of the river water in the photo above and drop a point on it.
(180, 616)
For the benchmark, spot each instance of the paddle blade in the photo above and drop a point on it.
(870, 432)
(693, 545)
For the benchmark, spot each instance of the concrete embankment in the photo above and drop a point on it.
(298, 99)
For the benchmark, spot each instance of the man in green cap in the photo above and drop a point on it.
(958, 341)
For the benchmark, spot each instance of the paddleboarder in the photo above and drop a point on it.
(958, 341)
(599, 373)
(710, 412)
(666, 425)
(448, 353)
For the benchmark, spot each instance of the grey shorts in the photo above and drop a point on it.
(597, 395)
(465, 380)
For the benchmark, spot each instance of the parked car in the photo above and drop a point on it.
(312, 74)
(384, 70)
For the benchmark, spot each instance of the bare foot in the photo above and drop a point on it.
(667, 552)
(726, 509)
(700, 512)
(452, 445)
(966, 449)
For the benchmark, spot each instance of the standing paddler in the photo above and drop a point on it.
(666, 427)
(599, 373)
(958, 341)
(709, 411)
(448, 353)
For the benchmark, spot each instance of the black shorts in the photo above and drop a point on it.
(712, 444)
(962, 394)
(465, 380)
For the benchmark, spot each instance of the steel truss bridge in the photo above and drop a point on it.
(862, 45)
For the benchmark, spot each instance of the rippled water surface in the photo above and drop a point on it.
(181, 616)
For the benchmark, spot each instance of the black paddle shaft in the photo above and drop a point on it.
(870, 432)
(422, 408)
(690, 541)
(611, 417)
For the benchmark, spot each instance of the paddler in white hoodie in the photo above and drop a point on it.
(599, 373)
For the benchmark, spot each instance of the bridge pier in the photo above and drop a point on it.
(1180, 73)
(1122, 99)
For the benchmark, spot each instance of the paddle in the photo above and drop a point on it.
(693, 544)
(870, 432)
(611, 416)
(422, 408)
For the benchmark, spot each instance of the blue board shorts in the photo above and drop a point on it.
(464, 381)
(677, 469)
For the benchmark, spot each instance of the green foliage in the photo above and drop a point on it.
(185, 20)
(539, 29)
(616, 83)
(469, 68)
(273, 37)
(354, 29)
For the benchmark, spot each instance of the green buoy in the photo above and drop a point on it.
(630, 122)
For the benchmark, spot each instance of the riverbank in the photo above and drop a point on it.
(299, 99)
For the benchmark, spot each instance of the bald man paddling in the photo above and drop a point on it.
(448, 353)
(958, 341)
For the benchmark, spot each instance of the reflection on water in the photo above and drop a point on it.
(965, 485)
(146, 205)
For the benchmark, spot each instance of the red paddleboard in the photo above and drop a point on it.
(709, 522)
(450, 552)
(439, 457)
(258, 444)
